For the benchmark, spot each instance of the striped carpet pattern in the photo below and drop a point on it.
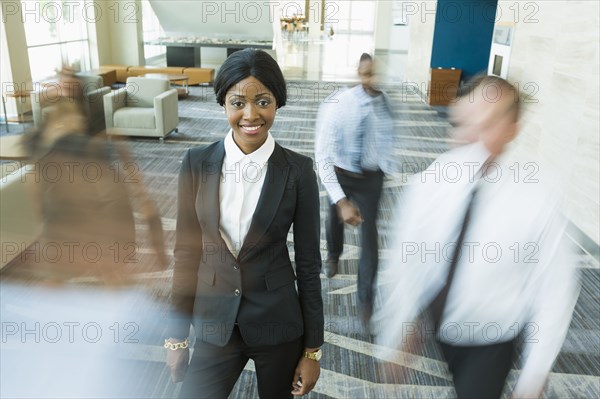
(350, 367)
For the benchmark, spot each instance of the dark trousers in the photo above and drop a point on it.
(479, 371)
(365, 192)
(214, 370)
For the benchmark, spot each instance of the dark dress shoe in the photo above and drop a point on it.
(364, 316)
(330, 268)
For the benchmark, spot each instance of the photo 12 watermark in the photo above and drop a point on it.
(526, 12)
(454, 172)
(470, 252)
(471, 332)
(54, 332)
(73, 172)
(71, 253)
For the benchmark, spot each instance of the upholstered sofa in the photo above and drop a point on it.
(144, 107)
(199, 75)
(195, 75)
(141, 71)
(121, 71)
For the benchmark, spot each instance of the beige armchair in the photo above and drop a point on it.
(43, 100)
(144, 107)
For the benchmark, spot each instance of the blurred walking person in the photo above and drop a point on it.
(354, 149)
(481, 256)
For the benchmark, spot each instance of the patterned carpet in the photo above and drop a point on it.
(350, 368)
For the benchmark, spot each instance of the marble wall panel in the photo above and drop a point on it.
(560, 54)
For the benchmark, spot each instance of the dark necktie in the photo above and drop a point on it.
(436, 308)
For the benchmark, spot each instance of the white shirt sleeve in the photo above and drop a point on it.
(405, 284)
(326, 144)
(557, 290)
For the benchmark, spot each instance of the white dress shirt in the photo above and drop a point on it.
(515, 272)
(242, 179)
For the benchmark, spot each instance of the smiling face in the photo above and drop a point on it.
(250, 108)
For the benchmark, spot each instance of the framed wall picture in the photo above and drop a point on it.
(503, 34)
(500, 50)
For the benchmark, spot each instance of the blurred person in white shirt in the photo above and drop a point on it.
(513, 275)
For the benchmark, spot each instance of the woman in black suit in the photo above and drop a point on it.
(233, 278)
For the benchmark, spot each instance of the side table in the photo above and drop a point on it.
(21, 97)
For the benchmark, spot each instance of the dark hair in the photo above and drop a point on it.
(365, 57)
(251, 62)
(484, 81)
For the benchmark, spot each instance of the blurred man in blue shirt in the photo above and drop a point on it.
(354, 149)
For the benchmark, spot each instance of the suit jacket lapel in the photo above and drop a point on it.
(268, 202)
(211, 179)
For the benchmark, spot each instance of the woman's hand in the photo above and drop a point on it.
(177, 361)
(306, 376)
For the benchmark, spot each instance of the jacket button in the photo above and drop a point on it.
(236, 266)
(236, 292)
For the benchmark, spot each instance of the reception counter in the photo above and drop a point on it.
(185, 51)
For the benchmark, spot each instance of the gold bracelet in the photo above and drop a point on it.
(178, 345)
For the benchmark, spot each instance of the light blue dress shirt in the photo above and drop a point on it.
(354, 132)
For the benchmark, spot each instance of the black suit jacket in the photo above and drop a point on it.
(214, 290)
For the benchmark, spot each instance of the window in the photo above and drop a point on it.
(351, 16)
(152, 31)
(56, 33)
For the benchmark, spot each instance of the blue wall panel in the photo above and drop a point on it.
(463, 35)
